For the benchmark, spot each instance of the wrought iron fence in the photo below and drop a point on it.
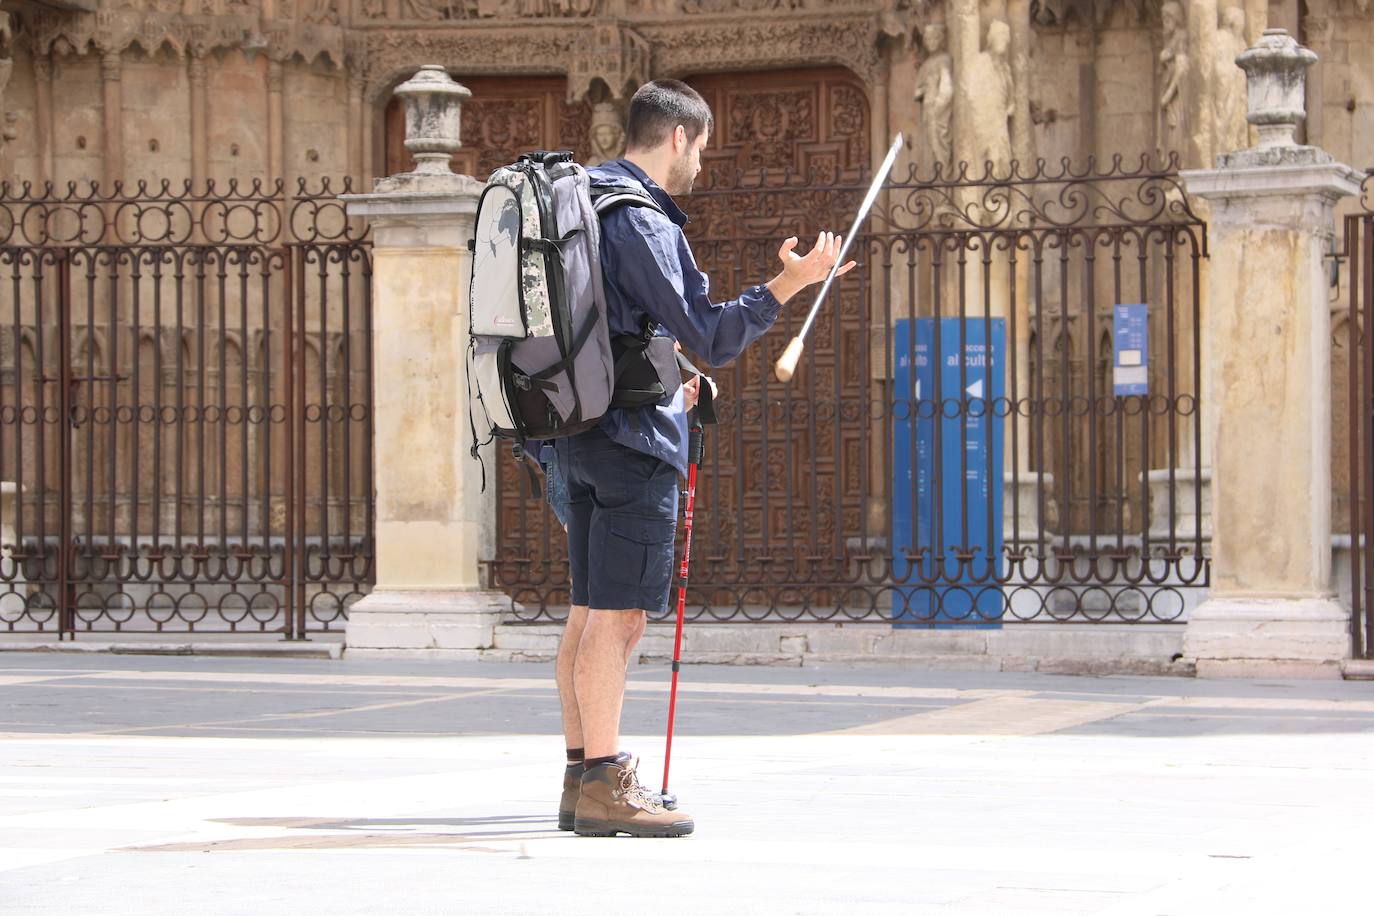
(1013, 481)
(1357, 254)
(185, 408)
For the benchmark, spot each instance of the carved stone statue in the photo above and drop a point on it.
(935, 93)
(607, 134)
(1173, 61)
(993, 103)
(1230, 99)
(325, 12)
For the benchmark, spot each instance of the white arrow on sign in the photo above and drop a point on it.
(976, 389)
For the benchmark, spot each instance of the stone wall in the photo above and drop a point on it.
(1341, 89)
(1087, 76)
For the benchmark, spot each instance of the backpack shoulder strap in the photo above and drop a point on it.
(609, 199)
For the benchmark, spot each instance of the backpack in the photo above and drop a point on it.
(542, 363)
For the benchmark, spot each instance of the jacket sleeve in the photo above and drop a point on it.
(654, 269)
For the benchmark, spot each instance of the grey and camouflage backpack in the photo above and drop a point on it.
(542, 360)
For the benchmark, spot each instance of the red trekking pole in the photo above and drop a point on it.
(696, 447)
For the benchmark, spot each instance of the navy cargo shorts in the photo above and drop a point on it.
(622, 523)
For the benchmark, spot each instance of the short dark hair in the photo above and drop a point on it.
(659, 107)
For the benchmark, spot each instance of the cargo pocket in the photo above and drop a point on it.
(639, 551)
(487, 356)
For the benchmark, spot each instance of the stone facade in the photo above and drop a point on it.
(196, 89)
(274, 89)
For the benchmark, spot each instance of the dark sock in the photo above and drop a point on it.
(575, 756)
(597, 761)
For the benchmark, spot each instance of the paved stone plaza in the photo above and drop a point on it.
(177, 785)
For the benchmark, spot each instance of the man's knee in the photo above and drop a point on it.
(576, 622)
(627, 626)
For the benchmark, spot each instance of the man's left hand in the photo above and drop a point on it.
(801, 271)
(691, 390)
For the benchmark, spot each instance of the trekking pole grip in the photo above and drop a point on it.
(696, 439)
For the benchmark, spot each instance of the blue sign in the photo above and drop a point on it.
(1131, 350)
(947, 461)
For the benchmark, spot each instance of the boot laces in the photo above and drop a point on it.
(634, 793)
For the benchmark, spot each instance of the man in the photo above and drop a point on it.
(621, 477)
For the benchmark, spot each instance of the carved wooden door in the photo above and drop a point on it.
(785, 484)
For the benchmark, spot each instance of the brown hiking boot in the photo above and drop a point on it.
(612, 801)
(572, 787)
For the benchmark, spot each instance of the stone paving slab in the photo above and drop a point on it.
(219, 786)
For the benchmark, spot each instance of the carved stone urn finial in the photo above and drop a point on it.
(1276, 73)
(433, 103)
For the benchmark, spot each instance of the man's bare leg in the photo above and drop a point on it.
(563, 673)
(603, 651)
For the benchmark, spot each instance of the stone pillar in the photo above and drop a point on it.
(1317, 29)
(431, 512)
(42, 83)
(196, 76)
(357, 127)
(373, 139)
(964, 24)
(1202, 37)
(1268, 372)
(113, 115)
(1257, 19)
(1022, 140)
(276, 123)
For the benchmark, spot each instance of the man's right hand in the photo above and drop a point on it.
(799, 272)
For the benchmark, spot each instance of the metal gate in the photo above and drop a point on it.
(185, 409)
(802, 509)
(1358, 255)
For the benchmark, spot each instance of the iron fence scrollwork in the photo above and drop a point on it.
(185, 408)
(801, 511)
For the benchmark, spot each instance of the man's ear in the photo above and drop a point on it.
(679, 139)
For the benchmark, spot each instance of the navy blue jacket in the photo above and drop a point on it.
(649, 269)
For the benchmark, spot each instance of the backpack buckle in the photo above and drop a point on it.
(521, 381)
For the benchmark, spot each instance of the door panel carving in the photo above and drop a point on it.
(785, 482)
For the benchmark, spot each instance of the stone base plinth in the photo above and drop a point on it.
(1248, 637)
(1021, 505)
(423, 621)
(18, 588)
(1091, 649)
(1184, 482)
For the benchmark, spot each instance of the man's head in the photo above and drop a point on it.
(668, 126)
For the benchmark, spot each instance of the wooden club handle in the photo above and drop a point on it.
(787, 363)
